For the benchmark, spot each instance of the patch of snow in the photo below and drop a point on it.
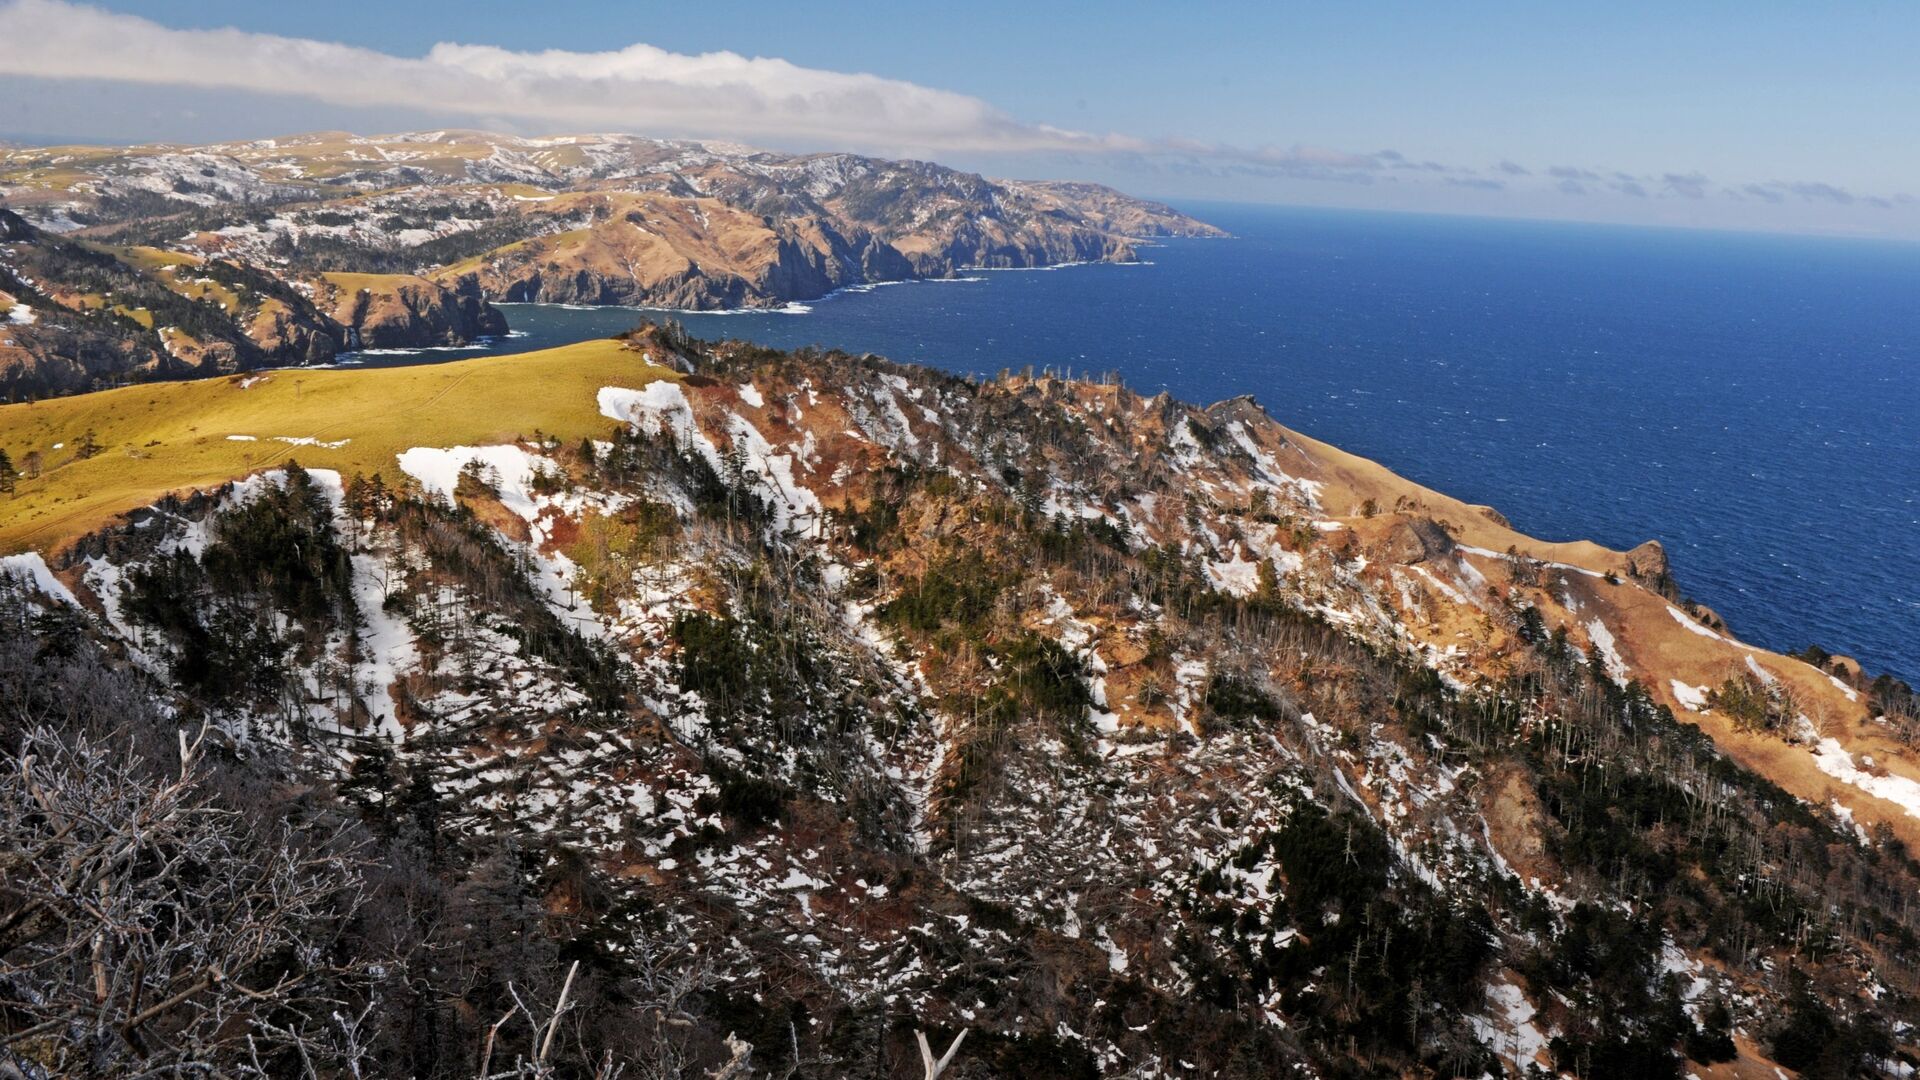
(1307, 491)
(1236, 576)
(1849, 691)
(1511, 1030)
(660, 406)
(1116, 956)
(799, 879)
(750, 394)
(1603, 642)
(1489, 553)
(1694, 981)
(30, 569)
(1445, 588)
(1833, 759)
(794, 505)
(660, 398)
(387, 648)
(1845, 814)
(1686, 620)
(1189, 681)
(1693, 697)
(438, 471)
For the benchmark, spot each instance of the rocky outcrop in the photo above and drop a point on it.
(298, 336)
(1648, 561)
(395, 311)
(1415, 540)
(47, 359)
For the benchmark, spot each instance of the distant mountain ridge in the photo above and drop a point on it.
(450, 221)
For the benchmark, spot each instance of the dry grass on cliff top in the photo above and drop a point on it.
(162, 437)
(350, 283)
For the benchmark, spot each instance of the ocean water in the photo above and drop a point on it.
(1751, 401)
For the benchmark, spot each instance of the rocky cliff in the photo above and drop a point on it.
(1131, 737)
(580, 219)
(77, 314)
(391, 311)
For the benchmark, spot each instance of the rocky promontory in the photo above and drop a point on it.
(602, 219)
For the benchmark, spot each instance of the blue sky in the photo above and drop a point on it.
(1720, 115)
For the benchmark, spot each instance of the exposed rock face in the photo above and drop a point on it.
(432, 237)
(294, 335)
(1649, 560)
(381, 311)
(48, 359)
(1415, 540)
(1109, 210)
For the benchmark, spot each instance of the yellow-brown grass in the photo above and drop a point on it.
(164, 437)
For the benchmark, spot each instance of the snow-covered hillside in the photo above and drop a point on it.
(1135, 738)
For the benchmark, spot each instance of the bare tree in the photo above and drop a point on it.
(935, 1068)
(541, 1065)
(144, 931)
(669, 975)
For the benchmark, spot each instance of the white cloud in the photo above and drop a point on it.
(52, 47)
(638, 88)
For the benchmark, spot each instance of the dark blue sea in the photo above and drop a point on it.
(1751, 401)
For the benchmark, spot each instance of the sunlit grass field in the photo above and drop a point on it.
(163, 437)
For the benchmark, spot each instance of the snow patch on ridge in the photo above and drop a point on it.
(438, 471)
(1236, 576)
(1693, 697)
(1833, 759)
(1604, 644)
(30, 569)
(1686, 620)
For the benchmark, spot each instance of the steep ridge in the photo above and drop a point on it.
(384, 311)
(79, 315)
(596, 219)
(1131, 737)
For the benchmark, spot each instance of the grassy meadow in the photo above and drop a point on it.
(160, 437)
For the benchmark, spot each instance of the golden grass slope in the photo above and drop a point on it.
(166, 437)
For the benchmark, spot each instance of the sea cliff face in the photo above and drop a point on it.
(1128, 735)
(589, 219)
(390, 311)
